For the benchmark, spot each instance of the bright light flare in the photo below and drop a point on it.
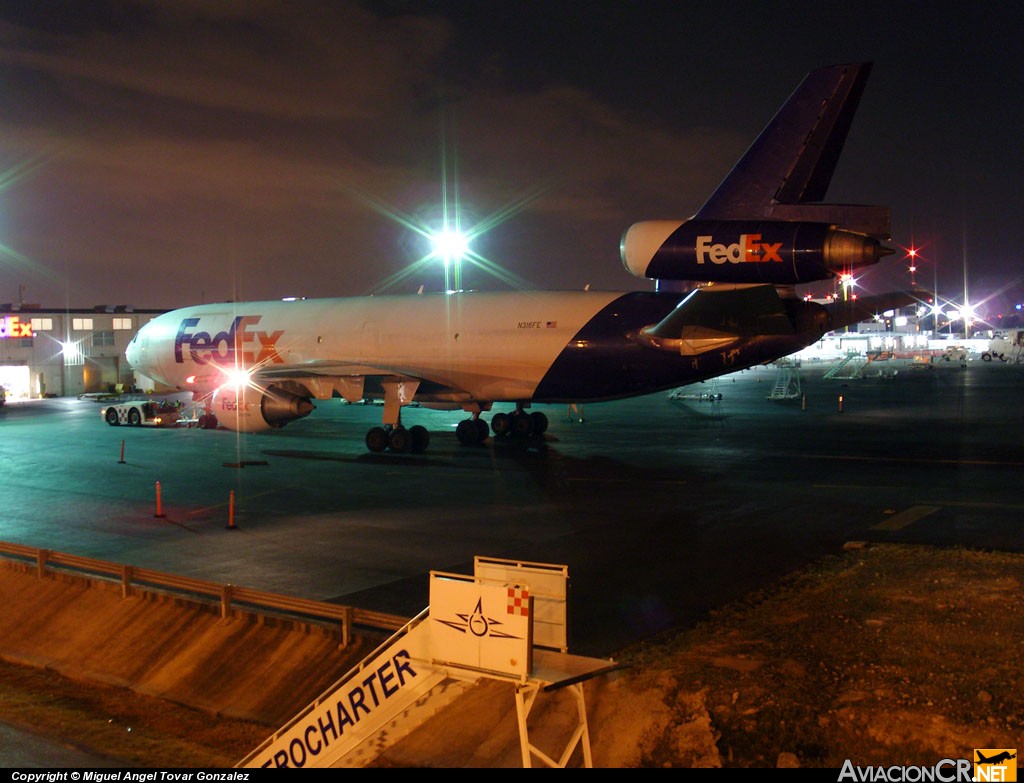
(912, 256)
(450, 232)
(912, 253)
(236, 377)
(71, 350)
(9, 257)
(450, 245)
(239, 378)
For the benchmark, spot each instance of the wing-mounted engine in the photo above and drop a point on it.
(253, 409)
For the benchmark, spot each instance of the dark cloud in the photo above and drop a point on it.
(160, 154)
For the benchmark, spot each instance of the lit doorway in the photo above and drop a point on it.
(15, 380)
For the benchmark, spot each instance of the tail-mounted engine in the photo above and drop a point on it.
(745, 251)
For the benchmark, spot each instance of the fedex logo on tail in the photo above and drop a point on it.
(239, 344)
(750, 250)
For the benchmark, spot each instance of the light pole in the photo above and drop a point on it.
(967, 301)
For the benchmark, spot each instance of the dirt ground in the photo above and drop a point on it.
(886, 655)
(883, 655)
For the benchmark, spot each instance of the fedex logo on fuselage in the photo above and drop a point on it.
(238, 345)
(749, 250)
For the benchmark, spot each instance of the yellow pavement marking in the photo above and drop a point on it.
(904, 518)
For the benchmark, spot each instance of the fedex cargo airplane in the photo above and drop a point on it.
(259, 365)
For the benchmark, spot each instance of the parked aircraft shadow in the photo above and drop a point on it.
(704, 410)
(459, 456)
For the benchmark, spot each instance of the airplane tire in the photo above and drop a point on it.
(501, 424)
(420, 438)
(134, 417)
(482, 430)
(467, 433)
(399, 440)
(986, 357)
(538, 423)
(111, 416)
(377, 439)
(522, 424)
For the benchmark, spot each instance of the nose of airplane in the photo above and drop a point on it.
(133, 352)
(137, 353)
(146, 348)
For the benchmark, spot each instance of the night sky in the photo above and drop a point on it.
(172, 152)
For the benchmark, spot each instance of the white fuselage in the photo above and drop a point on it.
(483, 346)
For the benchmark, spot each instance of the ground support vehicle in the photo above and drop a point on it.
(1006, 346)
(142, 413)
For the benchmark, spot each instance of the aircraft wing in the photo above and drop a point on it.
(354, 381)
(327, 369)
(712, 318)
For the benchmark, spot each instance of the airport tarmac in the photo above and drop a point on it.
(661, 508)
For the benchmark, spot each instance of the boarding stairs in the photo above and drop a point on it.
(440, 654)
(850, 366)
(787, 382)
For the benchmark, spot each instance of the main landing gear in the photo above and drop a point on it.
(529, 427)
(399, 392)
(519, 423)
(398, 439)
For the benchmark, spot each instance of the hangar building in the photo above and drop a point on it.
(66, 352)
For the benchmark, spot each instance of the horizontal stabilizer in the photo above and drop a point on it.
(710, 313)
(696, 340)
(871, 221)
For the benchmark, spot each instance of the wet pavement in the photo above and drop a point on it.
(662, 507)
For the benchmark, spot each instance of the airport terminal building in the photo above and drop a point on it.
(67, 352)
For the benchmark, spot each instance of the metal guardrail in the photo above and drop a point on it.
(228, 596)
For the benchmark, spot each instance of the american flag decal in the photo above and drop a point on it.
(519, 601)
(552, 324)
